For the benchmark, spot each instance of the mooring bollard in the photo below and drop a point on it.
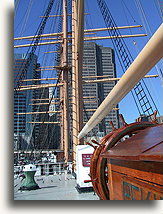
(29, 181)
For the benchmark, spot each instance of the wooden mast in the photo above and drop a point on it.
(64, 89)
(77, 55)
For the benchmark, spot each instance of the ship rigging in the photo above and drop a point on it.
(69, 17)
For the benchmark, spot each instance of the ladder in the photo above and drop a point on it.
(139, 92)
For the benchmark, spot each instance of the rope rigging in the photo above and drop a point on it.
(124, 56)
(147, 28)
(39, 32)
(148, 32)
(45, 134)
(36, 40)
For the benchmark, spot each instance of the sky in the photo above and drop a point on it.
(124, 12)
(6, 115)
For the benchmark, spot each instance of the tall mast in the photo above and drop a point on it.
(64, 89)
(77, 57)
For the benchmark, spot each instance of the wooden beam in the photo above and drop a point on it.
(45, 122)
(45, 99)
(55, 38)
(90, 101)
(37, 104)
(147, 76)
(110, 28)
(99, 38)
(86, 30)
(44, 79)
(89, 33)
(113, 37)
(43, 35)
(43, 112)
(70, 98)
(89, 110)
(77, 56)
(28, 87)
(115, 109)
(65, 124)
(85, 77)
(42, 43)
(42, 39)
(52, 52)
(47, 69)
(86, 81)
(86, 101)
(38, 87)
(85, 39)
(49, 66)
(101, 80)
(79, 67)
(113, 79)
(56, 98)
(86, 97)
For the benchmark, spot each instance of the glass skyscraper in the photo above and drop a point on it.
(98, 61)
(23, 99)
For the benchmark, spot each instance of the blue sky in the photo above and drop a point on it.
(124, 12)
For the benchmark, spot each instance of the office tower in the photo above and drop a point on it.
(21, 99)
(27, 135)
(98, 61)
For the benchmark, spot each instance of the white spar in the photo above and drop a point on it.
(147, 58)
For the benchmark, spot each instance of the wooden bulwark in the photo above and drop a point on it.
(135, 169)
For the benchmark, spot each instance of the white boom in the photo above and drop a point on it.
(147, 58)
